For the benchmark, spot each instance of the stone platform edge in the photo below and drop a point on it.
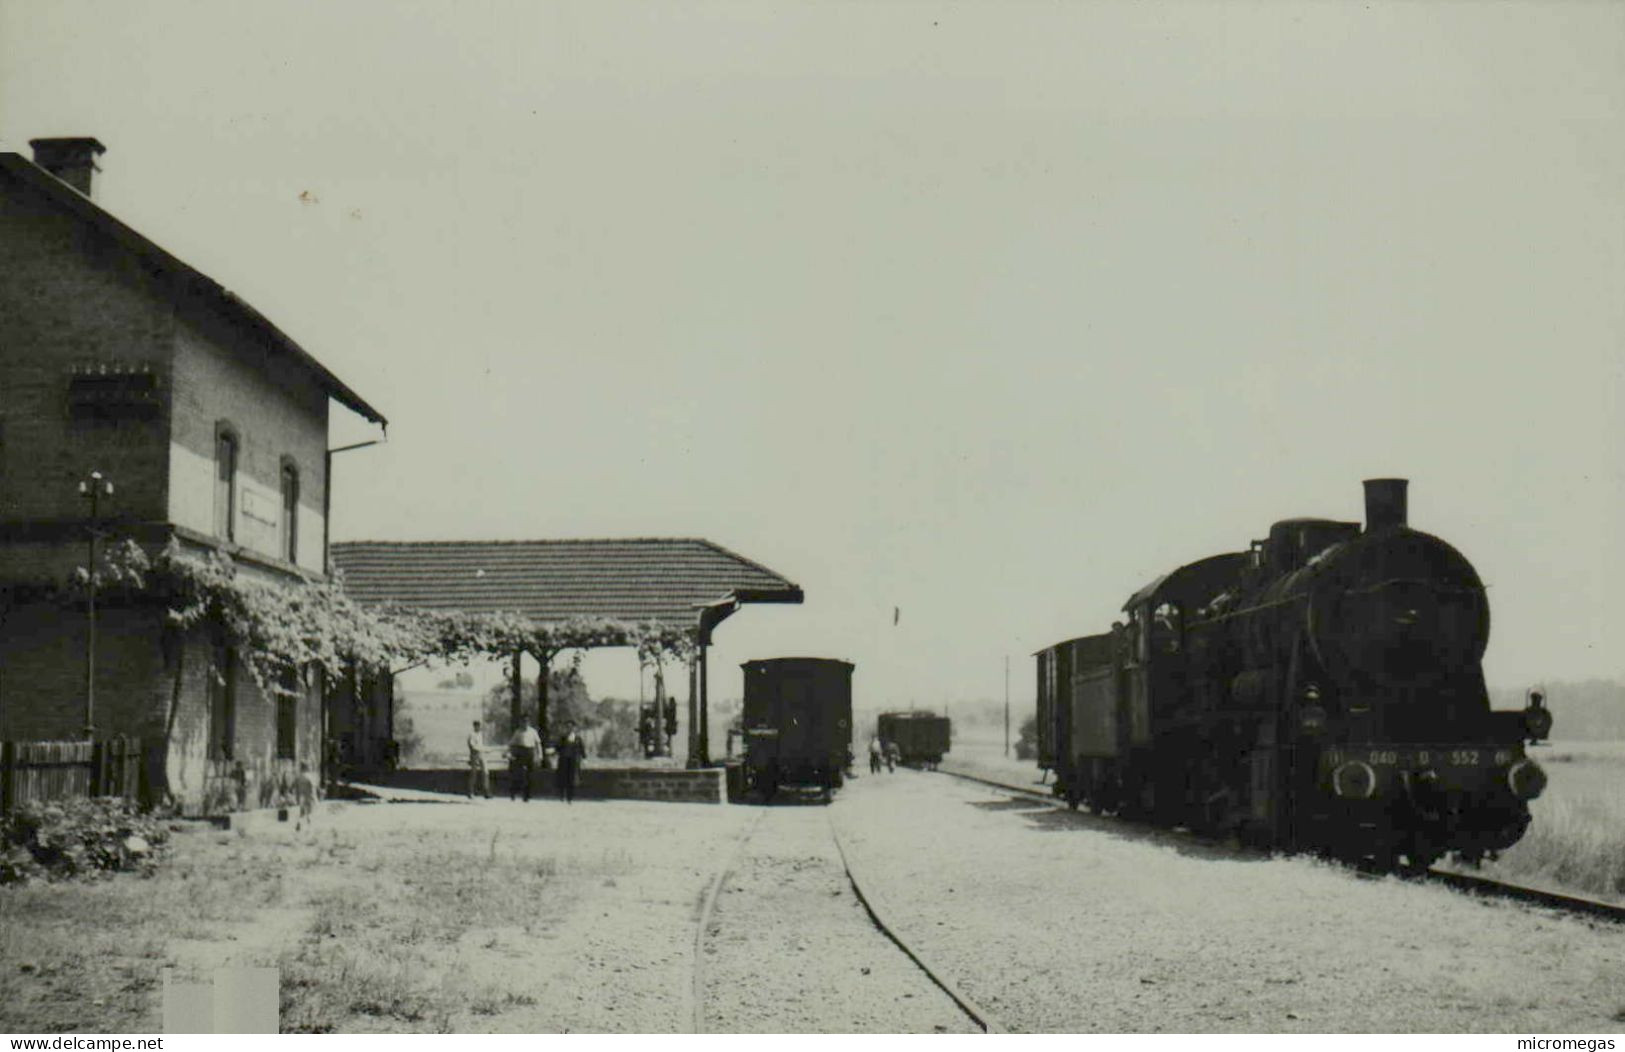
(706, 785)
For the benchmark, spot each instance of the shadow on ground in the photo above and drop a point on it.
(1049, 819)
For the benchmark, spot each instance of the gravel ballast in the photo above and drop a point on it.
(1055, 921)
(790, 949)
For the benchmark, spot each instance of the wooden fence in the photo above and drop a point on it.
(39, 772)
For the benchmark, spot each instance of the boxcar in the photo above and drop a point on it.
(797, 722)
(921, 737)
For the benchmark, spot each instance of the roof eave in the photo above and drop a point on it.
(86, 209)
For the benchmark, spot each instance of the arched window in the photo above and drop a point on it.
(290, 511)
(225, 483)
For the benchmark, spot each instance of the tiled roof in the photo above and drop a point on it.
(655, 579)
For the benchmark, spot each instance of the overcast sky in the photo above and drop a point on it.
(990, 312)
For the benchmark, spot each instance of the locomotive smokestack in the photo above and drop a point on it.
(1384, 503)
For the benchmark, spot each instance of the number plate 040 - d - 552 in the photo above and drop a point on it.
(1420, 757)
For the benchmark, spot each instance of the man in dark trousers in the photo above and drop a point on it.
(571, 751)
(522, 750)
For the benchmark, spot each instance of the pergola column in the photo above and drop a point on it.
(516, 682)
(543, 688)
(694, 709)
(705, 712)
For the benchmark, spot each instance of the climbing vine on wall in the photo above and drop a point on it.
(278, 626)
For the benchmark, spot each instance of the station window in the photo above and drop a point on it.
(225, 483)
(290, 512)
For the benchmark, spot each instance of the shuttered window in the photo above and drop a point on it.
(290, 513)
(225, 485)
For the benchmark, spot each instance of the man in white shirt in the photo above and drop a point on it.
(478, 776)
(522, 749)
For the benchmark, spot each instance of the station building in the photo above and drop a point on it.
(210, 424)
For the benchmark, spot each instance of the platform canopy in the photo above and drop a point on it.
(682, 582)
(669, 580)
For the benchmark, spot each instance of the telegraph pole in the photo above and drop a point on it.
(1007, 706)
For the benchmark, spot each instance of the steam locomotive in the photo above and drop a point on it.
(1322, 691)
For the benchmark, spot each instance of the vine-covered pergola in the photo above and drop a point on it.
(662, 596)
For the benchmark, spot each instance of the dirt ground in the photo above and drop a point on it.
(491, 916)
(496, 916)
(1055, 921)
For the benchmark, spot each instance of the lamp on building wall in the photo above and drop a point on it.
(95, 488)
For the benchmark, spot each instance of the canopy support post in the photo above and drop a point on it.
(543, 688)
(693, 709)
(705, 713)
(516, 684)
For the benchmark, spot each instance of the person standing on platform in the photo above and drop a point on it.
(522, 749)
(571, 751)
(874, 755)
(478, 777)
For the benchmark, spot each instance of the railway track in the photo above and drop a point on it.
(1469, 884)
(977, 1015)
(1484, 887)
(708, 908)
(703, 1018)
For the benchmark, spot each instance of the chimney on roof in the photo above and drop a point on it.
(72, 160)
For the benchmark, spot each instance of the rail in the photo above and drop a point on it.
(1469, 884)
(975, 1013)
(978, 1016)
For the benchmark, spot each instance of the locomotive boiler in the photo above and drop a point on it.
(1321, 691)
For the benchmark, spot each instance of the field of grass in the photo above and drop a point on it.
(372, 930)
(441, 719)
(1576, 839)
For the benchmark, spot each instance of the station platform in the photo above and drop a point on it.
(659, 779)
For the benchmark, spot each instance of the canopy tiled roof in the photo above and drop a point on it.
(640, 579)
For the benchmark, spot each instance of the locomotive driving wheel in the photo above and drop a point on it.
(1417, 855)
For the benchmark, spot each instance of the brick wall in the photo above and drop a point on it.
(143, 670)
(203, 782)
(279, 416)
(42, 672)
(705, 786)
(68, 296)
(72, 297)
(668, 784)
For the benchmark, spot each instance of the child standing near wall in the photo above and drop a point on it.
(304, 790)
